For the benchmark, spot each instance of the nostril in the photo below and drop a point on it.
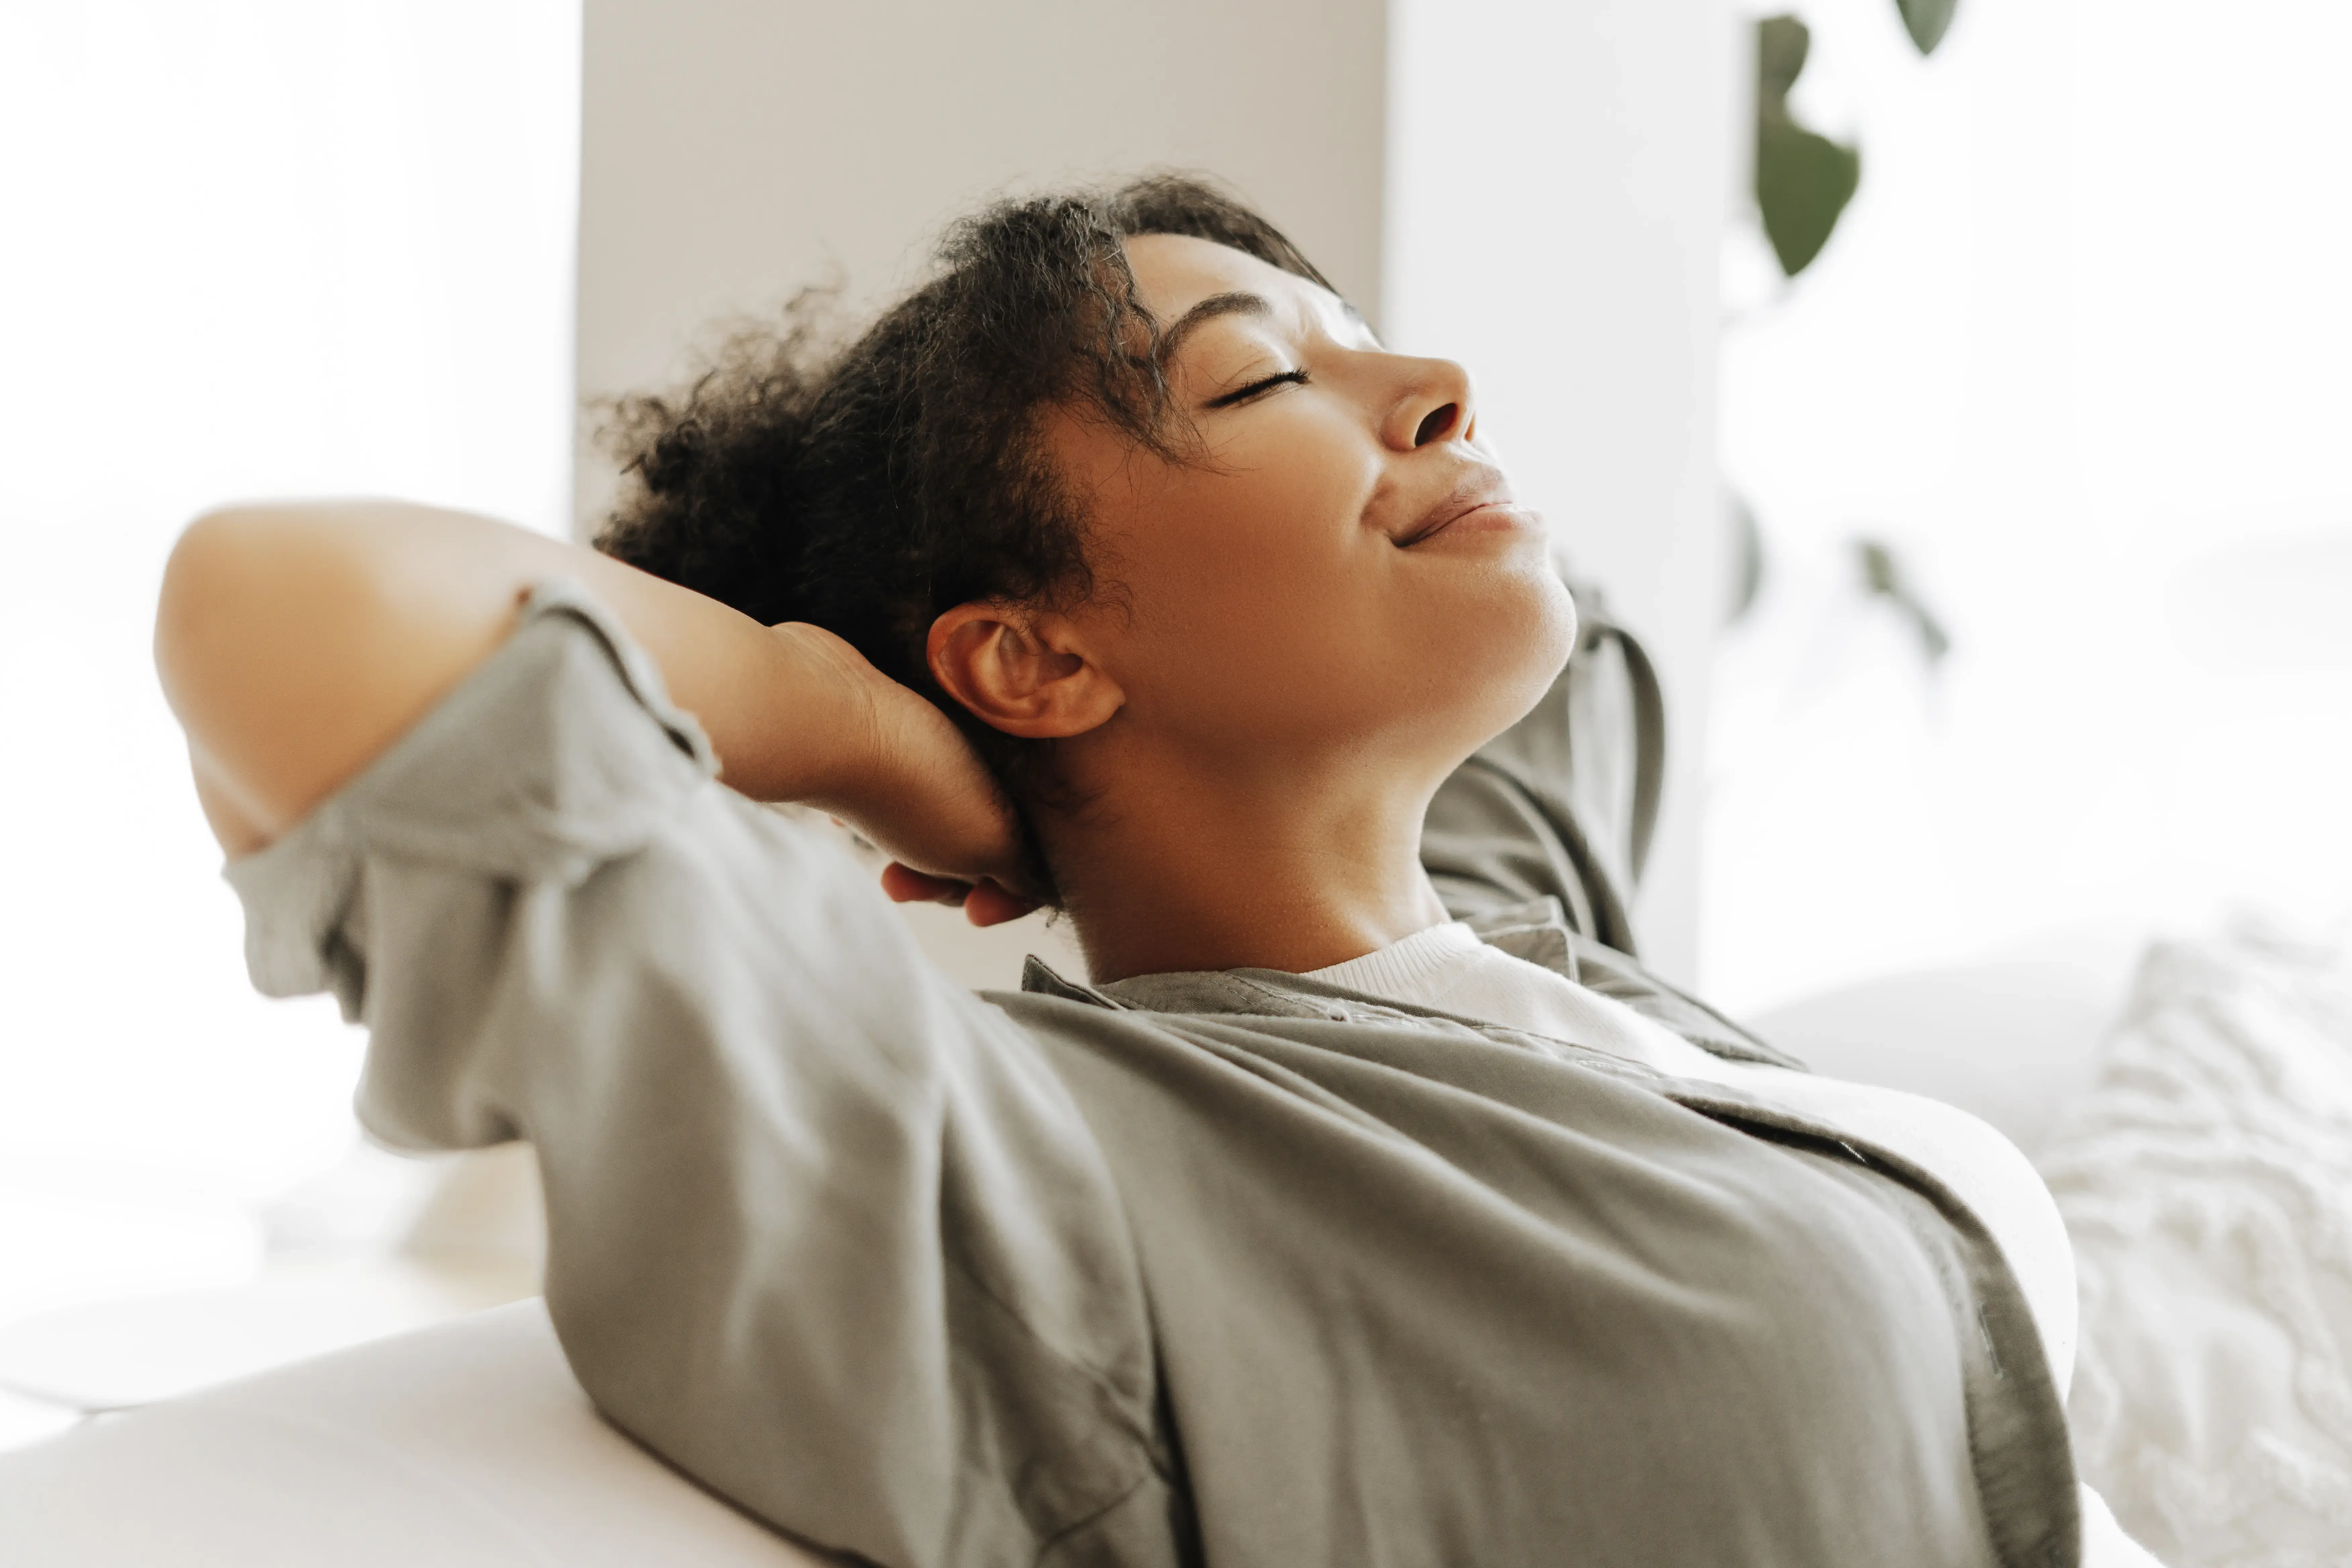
(1439, 421)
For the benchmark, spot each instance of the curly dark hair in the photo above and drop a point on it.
(870, 488)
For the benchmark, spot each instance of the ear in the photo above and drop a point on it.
(1024, 674)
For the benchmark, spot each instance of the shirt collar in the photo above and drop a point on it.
(1536, 930)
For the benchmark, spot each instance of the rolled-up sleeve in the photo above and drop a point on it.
(826, 1230)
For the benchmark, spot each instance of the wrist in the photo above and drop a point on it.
(822, 746)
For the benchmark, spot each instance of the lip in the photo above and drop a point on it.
(1482, 502)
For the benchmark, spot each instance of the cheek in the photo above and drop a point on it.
(1287, 510)
(1253, 561)
(1256, 663)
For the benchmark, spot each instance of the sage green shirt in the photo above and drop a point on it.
(1229, 1268)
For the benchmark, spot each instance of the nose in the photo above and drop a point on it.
(1434, 403)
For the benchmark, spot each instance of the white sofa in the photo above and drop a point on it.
(463, 1445)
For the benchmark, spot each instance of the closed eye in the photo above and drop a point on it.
(1257, 388)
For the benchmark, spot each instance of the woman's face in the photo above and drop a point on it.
(1347, 568)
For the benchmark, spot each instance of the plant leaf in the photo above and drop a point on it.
(1747, 560)
(1781, 44)
(1804, 180)
(1926, 21)
(1883, 577)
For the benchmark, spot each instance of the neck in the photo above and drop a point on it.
(1215, 869)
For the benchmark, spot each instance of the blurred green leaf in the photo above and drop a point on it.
(1747, 567)
(1804, 180)
(1883, 577)
(1781, 44)
(1926, 21)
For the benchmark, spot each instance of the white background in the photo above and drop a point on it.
(2083, 347)
(251, 249)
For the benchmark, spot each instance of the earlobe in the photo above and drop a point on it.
(1020, 673)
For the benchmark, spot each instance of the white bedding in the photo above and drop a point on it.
(2207, 1181)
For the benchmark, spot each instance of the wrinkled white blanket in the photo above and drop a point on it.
(2206, 1181)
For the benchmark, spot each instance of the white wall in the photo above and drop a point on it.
(254, 247)
(1556, 181)
(735, 150)
(1534, 187)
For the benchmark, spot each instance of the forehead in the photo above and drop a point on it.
(1174, 272)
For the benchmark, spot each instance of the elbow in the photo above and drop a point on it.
(205, 614)
(255, 604)
(207, 599)
(293, 642)
(201, 566)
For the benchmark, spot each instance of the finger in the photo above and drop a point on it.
(905, 885)
(990, 905)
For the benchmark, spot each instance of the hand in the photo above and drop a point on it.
(984, 903)
(917, 789)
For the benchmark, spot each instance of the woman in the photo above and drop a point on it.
(1118, 566)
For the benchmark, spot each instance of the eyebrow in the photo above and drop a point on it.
(1241, 303)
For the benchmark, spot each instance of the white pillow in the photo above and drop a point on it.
(2009, 1041)
(2206, 1179)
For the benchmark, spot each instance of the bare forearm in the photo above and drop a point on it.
(296, 642)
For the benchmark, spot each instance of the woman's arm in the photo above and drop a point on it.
(824, 1229)
(296, 642)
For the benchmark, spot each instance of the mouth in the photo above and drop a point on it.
(1482, 498)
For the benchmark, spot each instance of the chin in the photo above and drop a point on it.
(1504, 649)
(1531, 629)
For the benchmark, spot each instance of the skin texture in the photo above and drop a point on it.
(1287, 652)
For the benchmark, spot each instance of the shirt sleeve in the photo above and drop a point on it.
(826, 1230)
(1562, 804)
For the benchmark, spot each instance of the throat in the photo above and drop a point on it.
(1183, 888)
